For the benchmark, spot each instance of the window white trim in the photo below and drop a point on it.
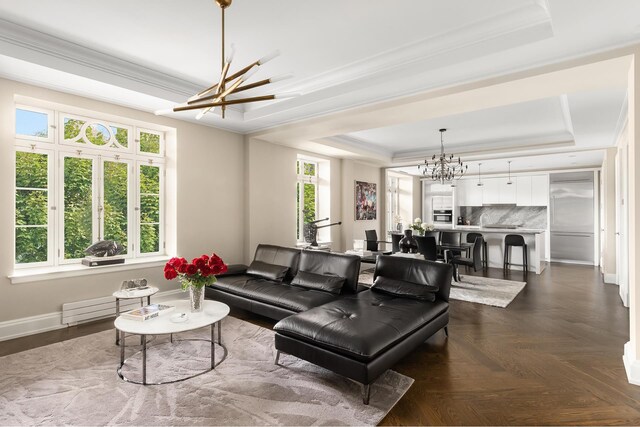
(301, 180)
(28, 275)
(51, 217)
(58, 149)
(51, 128)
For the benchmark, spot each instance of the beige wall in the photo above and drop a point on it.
(354, 171)
(609, 219)
(210, 204)
(270, 177)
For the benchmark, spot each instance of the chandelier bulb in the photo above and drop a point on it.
(268, 57)
(231, 54)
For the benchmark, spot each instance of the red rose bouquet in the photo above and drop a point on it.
(197, 273)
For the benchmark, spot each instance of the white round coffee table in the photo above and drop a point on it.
(133, 294)
(213, 312)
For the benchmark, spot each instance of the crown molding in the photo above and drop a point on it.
(368, 80)
(34, 46)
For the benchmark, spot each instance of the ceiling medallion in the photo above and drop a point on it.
(443, 168)
(217, 95)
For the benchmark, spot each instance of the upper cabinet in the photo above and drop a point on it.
(490, 191)
(468, 193)
(540, 190)
(523, 191)
(508, 192)
(523, 197)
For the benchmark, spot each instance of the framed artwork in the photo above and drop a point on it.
(366, 201)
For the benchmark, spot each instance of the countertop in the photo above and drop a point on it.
(492, 230)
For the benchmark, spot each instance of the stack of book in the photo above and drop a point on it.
(148, 312)
(95, 261)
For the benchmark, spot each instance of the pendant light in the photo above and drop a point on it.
(480, 184)
(509, 182)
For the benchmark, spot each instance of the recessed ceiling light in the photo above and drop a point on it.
(572, 155)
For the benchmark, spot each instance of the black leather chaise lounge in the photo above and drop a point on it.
(362, 335)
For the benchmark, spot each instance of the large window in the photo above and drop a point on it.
(307, 194)
(84, 180)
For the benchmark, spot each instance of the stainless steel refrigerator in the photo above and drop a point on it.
(571, 204)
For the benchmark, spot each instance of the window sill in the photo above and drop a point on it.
(28, 275)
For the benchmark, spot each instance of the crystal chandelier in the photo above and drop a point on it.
(443, 168)
(222, 93)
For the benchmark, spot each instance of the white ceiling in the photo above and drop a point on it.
(149, 54)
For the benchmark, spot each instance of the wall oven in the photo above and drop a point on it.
(442, 216)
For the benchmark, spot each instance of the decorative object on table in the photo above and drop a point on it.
(103, 252)
(216, 95)
(310, 230)
(397, 220)
(148, 312)
(366, 201)
(195, 275)
(443, 168)
(420, 227)
(408, 243)
(134, 284)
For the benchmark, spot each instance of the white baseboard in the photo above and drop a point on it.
(610, 278)
(30, 325)
(631, 364)
(48, 322)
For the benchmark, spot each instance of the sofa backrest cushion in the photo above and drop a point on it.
(320, 282)
(267, 271)
(401, 288)
(416, 271)
(279, 255)
(326, 263)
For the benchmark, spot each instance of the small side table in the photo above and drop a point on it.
(133, 294)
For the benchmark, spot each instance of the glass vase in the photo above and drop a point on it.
(196, 298)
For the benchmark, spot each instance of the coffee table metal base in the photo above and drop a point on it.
(144, 357)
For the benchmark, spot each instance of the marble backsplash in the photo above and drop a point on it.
(524, 216)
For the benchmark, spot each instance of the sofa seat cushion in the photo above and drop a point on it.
(281, 295)
(361, 326)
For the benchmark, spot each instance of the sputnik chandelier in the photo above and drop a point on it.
(443, 168)
(221, 94)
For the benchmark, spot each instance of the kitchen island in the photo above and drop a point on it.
(534, 238)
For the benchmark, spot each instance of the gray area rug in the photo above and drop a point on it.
(481, 290)
(75, 383)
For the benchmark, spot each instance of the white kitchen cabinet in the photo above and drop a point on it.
(461, 194)
(491, 191)
(474, 194)
(508, 192)
(468, 193)
(523, 196)
(540, 190)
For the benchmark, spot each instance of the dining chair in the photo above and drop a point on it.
(427, 247)
(395, 242)
(450, 238)
(373, 242)
(475, 261)
(471, 237)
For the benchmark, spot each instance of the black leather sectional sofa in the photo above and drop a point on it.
(328, 319)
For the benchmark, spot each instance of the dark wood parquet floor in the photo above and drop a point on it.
(554, 356)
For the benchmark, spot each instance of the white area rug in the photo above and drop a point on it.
(480, 290)
(75, 383)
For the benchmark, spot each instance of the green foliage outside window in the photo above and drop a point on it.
(115, 202)
(149, 209)
(149, 143)
(32, 206)
(78, 218)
